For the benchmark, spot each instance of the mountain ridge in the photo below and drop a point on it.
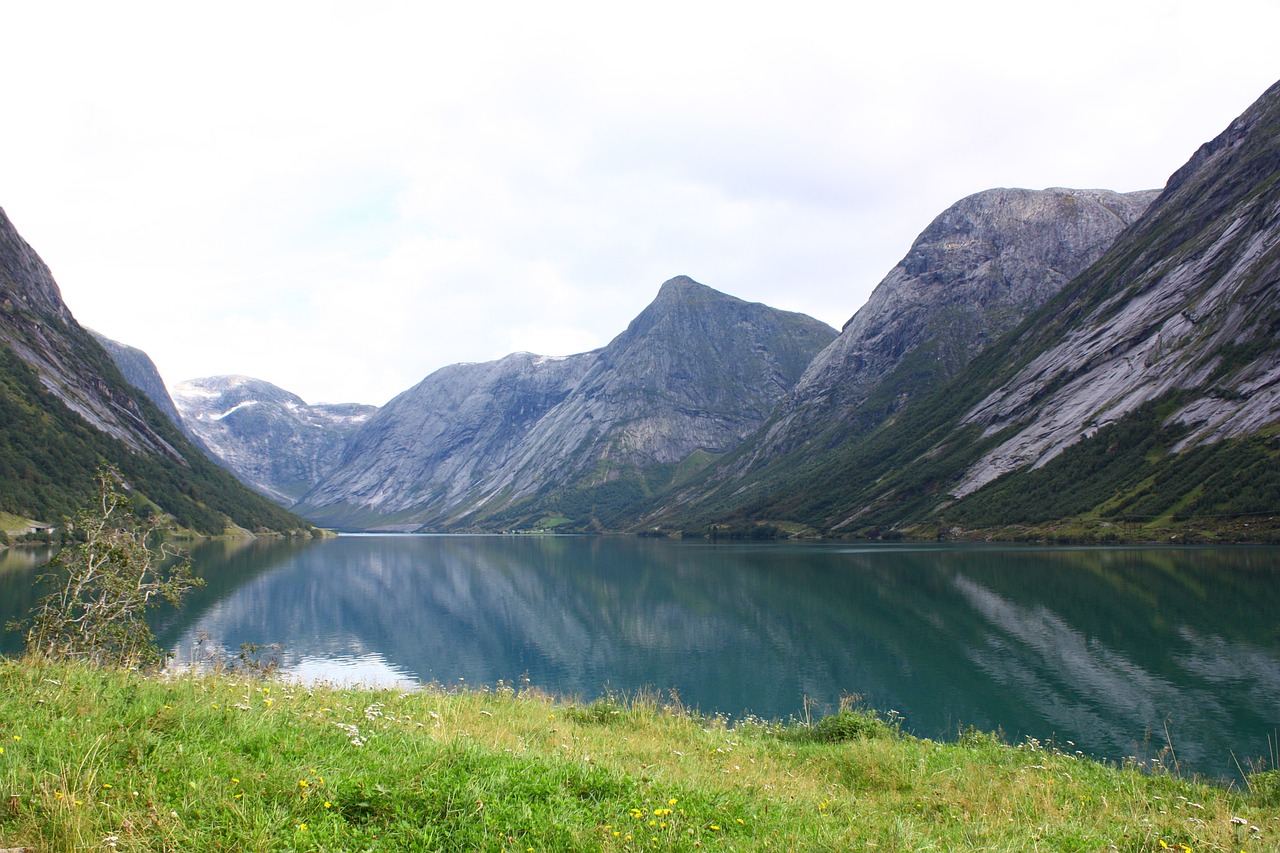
(641, 402)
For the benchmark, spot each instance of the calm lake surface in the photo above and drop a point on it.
(1105, 649)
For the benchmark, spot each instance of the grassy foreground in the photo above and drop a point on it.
(114, 760)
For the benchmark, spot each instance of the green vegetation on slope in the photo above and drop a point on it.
(49, 456)
(103, 758)
(1126, 474)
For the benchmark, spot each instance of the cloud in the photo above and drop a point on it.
(342, 200)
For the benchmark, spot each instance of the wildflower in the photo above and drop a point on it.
(303, 783)
(235, 781)
(17, 737)
(672, 801)
(326, 804)
(1, 750)
(302, 827)
(106, 784)
(715, 827)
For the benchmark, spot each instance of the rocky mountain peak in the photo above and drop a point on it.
(233, 389)
(692, 375)
(269, 437)
(25, 279)
(973, 274)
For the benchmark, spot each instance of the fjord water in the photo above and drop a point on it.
(1112, 651)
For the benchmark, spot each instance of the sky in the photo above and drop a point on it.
(341, 198)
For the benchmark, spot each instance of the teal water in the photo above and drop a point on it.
(1112, 651)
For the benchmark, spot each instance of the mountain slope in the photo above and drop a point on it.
(65, 410)
(271, 439)
(507, 443)
(974, 273)
(1187, 304)
(1148, 383)
(140, 371)
(431, 447)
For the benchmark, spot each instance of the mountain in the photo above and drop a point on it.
(1143, 394)
(140, 372)
(428, 450)
(66, 410)
(572, 442)
(271, 439)
(973, 274)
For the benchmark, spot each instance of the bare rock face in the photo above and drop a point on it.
(972, 275)
(1185, 302)
(141, 372)
(696, 370)
(695, 373)
(435, 446)
(271, 439)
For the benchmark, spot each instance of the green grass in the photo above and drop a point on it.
(98, 759)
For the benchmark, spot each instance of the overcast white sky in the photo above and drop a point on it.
(342, 198)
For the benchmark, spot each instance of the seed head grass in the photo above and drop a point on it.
(103, 759)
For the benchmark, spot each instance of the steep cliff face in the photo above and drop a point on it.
(40, 330)
(972, 275)
(1187, 303)
(691, 376)
(271, 439)
(140, 371)
(66, 409)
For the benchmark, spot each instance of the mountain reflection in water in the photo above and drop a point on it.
(1103, 650)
